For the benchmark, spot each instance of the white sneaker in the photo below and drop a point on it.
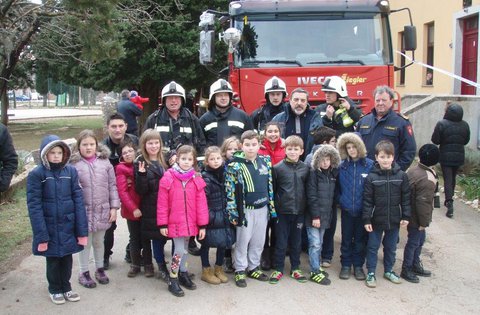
(71, 296)
(57, 298)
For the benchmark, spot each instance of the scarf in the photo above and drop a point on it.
(182, 174)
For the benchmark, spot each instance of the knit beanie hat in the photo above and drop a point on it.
(429, 154)
(133, 93)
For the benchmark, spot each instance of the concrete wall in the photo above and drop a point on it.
(427, 110)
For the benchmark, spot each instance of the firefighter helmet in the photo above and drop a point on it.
(173, 89)
(335, 84)
(220, 86)
(275, 84)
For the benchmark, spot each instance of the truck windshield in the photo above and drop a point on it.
(307, 41)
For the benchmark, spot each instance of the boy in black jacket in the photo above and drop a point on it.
(289, 181)
(386, 207)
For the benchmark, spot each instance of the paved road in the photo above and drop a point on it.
(40, 112)
(451, 252)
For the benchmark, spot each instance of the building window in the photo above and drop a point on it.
(467, 3)
(430, 30)
(401, 74)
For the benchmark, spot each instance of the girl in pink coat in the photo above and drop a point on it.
(182, 212)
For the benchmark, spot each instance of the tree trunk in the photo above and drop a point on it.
(4, 100)
(149, 88)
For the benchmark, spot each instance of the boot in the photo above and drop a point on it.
(208, 276)
(265, 262)
(218, 272)
(228, 265)
(185, 281)
(162, 272)
(192, 247)
(149, 271)
(420, 271)
(134, 271)
(449, 205)
(409, 275)
(174, 287)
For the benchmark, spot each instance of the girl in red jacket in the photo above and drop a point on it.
(130, 204)
(272, 143)
(182, 212)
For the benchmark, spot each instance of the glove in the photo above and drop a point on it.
(83, 240)
(42, 247)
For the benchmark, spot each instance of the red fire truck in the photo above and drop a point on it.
(302, 42)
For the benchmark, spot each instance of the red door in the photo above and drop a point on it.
(470, 51)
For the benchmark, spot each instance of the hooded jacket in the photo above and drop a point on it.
(386, 198)
(99, 187)
(423, 184)
(55, 204)
(276, 154)
(352, 174)
(321, 187)
(126, 190)
(452, 134)
(8, 158)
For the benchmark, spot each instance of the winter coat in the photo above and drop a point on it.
(219, 231)
(309, 120)
(336, 123)
(8, 158)
(276, 154)
(218, 126)
(289, 185)
(138, 101)
(126, 190)
(146, 186)
(99, 187)
(130, 111)
(263, 115)
(386, 198)
(393, 127)
(321, 187)
(423, 184)
(114, 148)
(452, 134)
(352, 174)
(236, 182)
(182, 205)
(55, 204)
(185, 130)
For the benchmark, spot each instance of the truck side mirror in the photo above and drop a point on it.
(410, 37)
(207, 47)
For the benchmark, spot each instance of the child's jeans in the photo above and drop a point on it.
(354, 240)
(390, 239)
(288, 234)
(250, 239)
(95, 241)
(413, 248)
(204, 256)
(315, 240)
(59, 272)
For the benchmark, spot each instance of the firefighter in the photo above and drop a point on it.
(222, 119)
(275, 92)
(384, 124)
(339, 112)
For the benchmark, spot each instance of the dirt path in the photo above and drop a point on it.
(451, 252)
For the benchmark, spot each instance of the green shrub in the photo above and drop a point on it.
(471, 185)
(472, 162)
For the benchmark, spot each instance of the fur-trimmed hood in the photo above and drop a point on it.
(103, 152)
(323, 151)
(49, 142)
(351, 137)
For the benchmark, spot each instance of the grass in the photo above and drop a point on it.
(15, 226)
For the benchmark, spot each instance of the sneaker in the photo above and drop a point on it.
(326, 263)
(298, 275)
(71, 296)
(85, 280)
(358, 273)
(345, 273)
(240, 279)
(324, 272)
(392, 277)
(371, 281)
(101, 276)
(257, 274)
(319, 277)
(57, 298)
(275, 277)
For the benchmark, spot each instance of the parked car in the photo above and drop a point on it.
(22, 98)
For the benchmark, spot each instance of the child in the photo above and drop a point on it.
(249, 189)
(219, 234)
(228, 148)
(423, 185)
(271, 146)
(53, 192)
(386, 206)
(182, 212)
(130, 204)
(137, 99)
(149, 169)
(352, 172)
(99, 186)
(289, 180)
(320, 196)
(322, 135)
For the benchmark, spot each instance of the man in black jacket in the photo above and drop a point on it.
(130, 111)
(8, 158)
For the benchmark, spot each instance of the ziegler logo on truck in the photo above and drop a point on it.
(319, 80)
